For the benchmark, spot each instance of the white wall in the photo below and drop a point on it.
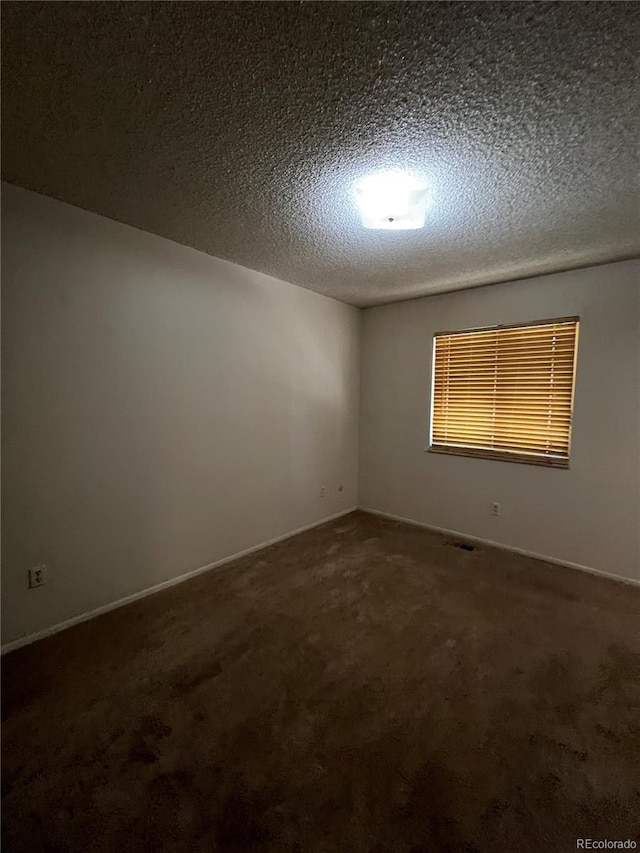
(162, 409)
(589, 514)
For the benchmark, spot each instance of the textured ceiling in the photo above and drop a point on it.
(239, 128)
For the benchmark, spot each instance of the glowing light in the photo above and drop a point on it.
(392, 200)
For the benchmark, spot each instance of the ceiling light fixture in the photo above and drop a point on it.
(392, 200)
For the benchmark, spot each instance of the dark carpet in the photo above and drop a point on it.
(365, 686)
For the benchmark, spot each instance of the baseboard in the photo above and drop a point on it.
(105, 608)
(476, 539)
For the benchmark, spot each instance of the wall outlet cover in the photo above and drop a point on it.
(38, 576)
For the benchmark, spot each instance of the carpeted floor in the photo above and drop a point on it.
(364, 687)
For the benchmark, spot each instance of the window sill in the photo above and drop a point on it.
(522, 458)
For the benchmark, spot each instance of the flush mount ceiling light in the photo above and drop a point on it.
(392, 200)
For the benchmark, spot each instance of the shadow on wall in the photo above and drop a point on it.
(163, 409)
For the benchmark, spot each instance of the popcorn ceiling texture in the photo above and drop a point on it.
(239, 128)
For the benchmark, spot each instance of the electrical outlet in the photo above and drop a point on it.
(323, 491)
(38, 576)
(495, 509)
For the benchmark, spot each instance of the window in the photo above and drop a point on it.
(505, 392)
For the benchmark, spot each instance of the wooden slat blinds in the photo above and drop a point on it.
(506, 392)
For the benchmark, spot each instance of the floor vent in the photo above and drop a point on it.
(463, 545)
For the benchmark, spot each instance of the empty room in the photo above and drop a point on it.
(320, 427)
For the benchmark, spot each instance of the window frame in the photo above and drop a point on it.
(502, 455)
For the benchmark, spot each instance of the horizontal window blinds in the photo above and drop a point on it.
(506, 392)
